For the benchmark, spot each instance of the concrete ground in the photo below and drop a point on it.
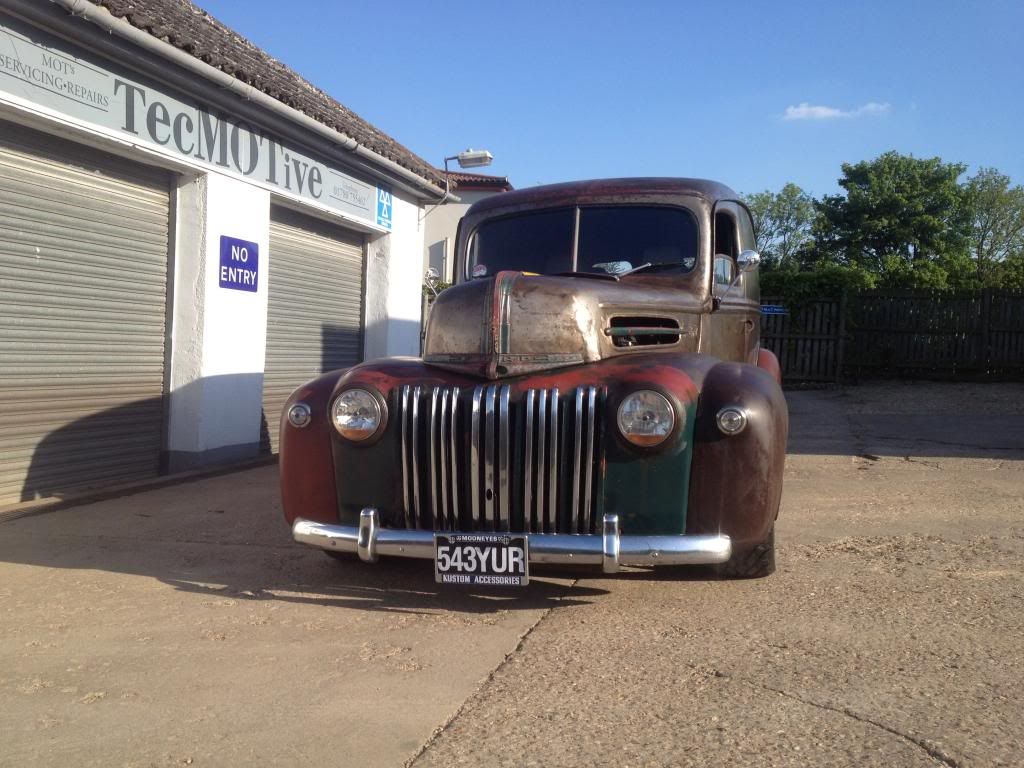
(180, 626)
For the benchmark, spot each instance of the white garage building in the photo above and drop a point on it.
(188, 230)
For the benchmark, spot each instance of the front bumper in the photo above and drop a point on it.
(609, 550)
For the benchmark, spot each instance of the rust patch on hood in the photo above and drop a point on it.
(515, 323)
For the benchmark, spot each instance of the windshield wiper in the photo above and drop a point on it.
(649, 265)
(595, 275)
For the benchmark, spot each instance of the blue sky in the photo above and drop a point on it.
(751, 94)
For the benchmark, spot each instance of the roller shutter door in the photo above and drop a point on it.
(83, 294)
(315, 313)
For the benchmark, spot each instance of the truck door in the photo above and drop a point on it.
(734, 328)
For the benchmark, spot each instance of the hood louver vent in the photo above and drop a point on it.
(643, 331)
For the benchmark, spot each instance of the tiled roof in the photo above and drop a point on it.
(191, 29)
(478, 181)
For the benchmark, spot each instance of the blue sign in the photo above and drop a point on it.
(239, 264)
(384, 206)
(773, 309)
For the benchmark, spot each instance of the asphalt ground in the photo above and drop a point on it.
(180, 626)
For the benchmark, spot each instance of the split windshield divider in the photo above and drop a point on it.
(576, 240)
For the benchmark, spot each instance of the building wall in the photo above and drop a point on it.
(217, 337)
(394, 285)
(441, 224)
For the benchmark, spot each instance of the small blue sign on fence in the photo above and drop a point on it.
(239, 264)
(384, 206)
(773, 309)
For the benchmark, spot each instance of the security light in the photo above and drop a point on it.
(473, 158)
(469, 158)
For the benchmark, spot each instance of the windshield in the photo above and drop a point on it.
(611, 240)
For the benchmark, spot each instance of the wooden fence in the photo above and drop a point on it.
(898, 334)
(807, 339)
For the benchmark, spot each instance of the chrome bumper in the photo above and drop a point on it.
(609, 550)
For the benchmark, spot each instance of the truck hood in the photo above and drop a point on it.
(516, 323)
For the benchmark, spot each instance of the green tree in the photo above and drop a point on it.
(996, 212)
(897, 217)
(782, 224)
(1009, 273)
(824, 280)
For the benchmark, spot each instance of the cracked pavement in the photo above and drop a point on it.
(180, 627)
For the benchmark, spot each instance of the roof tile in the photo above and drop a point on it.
(190, 29)
(467, 180)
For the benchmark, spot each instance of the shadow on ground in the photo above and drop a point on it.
(226, 536)
(408, 586)
(904, 419)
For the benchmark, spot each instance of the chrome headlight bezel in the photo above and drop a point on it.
(369, 401)
(658, 405)
(731, 420)
(299, 415)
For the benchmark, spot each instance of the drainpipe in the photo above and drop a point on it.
(123, 29)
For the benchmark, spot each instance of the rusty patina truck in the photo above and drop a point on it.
(592, 391)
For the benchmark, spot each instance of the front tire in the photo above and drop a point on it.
(752, 562)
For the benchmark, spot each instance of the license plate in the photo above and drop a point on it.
(491, 559)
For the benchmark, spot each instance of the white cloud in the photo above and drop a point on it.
(871, 108)
(805, 111)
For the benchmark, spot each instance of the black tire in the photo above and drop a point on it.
(751, 563)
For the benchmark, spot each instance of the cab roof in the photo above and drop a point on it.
(605, 190)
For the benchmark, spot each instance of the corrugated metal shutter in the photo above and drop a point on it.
(315, 313)
(83, 294)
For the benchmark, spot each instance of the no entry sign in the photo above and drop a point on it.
(239, 264)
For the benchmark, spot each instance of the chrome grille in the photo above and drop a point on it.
(479, 460)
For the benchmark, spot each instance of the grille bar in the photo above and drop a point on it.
(444, 511)
(453, 438)
(490, 448)
(416, 517)
(435, 467)
(474, 467)
(529, 515)
(577, 458)
(505, 484)
(542, 417)
(406, 424)
(551, 517)
(504, 461)
(589, 517)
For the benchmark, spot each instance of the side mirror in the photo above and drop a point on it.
(748, 261)
(431, 277)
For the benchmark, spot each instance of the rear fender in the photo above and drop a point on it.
(766, 360)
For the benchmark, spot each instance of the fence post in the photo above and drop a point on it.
(986, 321)
(841, 341)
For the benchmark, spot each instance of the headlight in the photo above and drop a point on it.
(356, 414)
(646, 418)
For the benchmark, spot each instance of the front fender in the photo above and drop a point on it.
(308, 486)
(736, 482)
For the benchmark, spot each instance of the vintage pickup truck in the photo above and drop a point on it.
(592, 391)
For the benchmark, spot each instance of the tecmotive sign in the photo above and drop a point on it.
(49, 72)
